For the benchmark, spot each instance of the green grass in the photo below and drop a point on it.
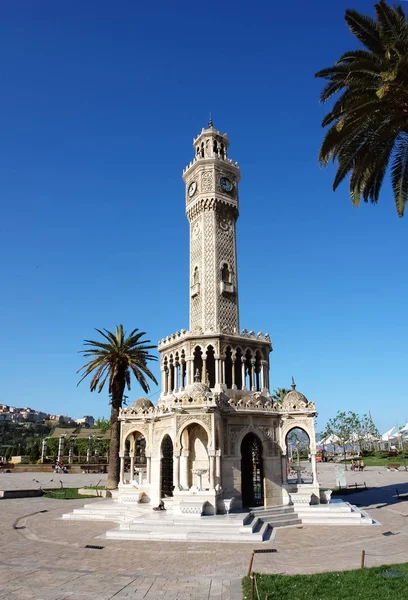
(363, 584)
(65, 494)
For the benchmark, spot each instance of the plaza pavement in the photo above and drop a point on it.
(45, 558)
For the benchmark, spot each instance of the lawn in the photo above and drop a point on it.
(364, 584)
(65, 494)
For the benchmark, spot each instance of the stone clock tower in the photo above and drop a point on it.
(212, 208)
(216, 435)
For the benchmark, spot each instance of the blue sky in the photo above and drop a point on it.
(98, 107)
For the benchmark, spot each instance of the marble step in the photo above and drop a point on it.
(186, 534)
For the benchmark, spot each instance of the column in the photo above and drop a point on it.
(132, 466)
(223, 370)
(122, 467)
(212, 471)
(61, 448)
(44, 450)
(148, 469)
(261, 375)
(284, 469)
(175, 382)
(88, 452)
(164, 381)
(168, 387)
(243, 387)
(218, 468)
(71, 451)
(184, 469)
(314, 468)
(234, 387)
(204, 371)
(176, 470)
(182, 374)
(191, 370)
(217, 370)
(253, 386)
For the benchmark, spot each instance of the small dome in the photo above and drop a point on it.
(294, 397)
(197, 390)
(142, 403)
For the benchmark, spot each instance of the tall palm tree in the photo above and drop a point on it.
(114, 360)
(368, 123)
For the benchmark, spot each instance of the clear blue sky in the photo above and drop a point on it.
(99, 103)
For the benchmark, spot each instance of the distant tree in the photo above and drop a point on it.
(366, 431)
(35, 453)
(114, 359)
(343, 427)
(368, 123)
(103, 424)
(279, 394)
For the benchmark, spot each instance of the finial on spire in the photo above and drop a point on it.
(293, 384)
(210, 122)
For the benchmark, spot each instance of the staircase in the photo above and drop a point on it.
(276, 516)
(140, 522)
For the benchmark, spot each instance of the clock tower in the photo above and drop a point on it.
(212, 209)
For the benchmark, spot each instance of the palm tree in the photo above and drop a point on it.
(368, 123)
(279, 394)
(114, 360)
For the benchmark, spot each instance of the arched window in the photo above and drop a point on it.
(196, 276)
(225, 273)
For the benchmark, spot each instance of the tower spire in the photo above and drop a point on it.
(210, 122)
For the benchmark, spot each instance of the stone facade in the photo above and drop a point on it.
(216, 432)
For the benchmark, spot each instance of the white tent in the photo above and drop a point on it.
(390, 434)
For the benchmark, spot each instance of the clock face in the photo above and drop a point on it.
(225, 184)
(192, 189)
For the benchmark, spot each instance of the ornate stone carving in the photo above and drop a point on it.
(233, 433)
(207, 181)
(183, 420)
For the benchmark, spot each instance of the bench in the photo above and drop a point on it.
(393, 467)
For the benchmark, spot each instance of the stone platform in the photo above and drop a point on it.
(140, 522)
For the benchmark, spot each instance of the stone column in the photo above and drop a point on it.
(132, 466)
(61, 443)
(168, 380)
(175, 377)
(243, 387)
(218, 467)
(223, 370)
(314, 468)
(184, 469)
(71, 451)
(212, 471)
(204, 371)
(284, 469)
(164, 381)
(88, 452)
(176, 470)
(261, 375)
(148, 469)
(122, 467)
(44, 450)
(253, 386)
(234, 387)
(182, 374)
(217, 370)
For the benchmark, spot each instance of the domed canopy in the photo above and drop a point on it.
(294, 398)
(197, 390)
(142, 404)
